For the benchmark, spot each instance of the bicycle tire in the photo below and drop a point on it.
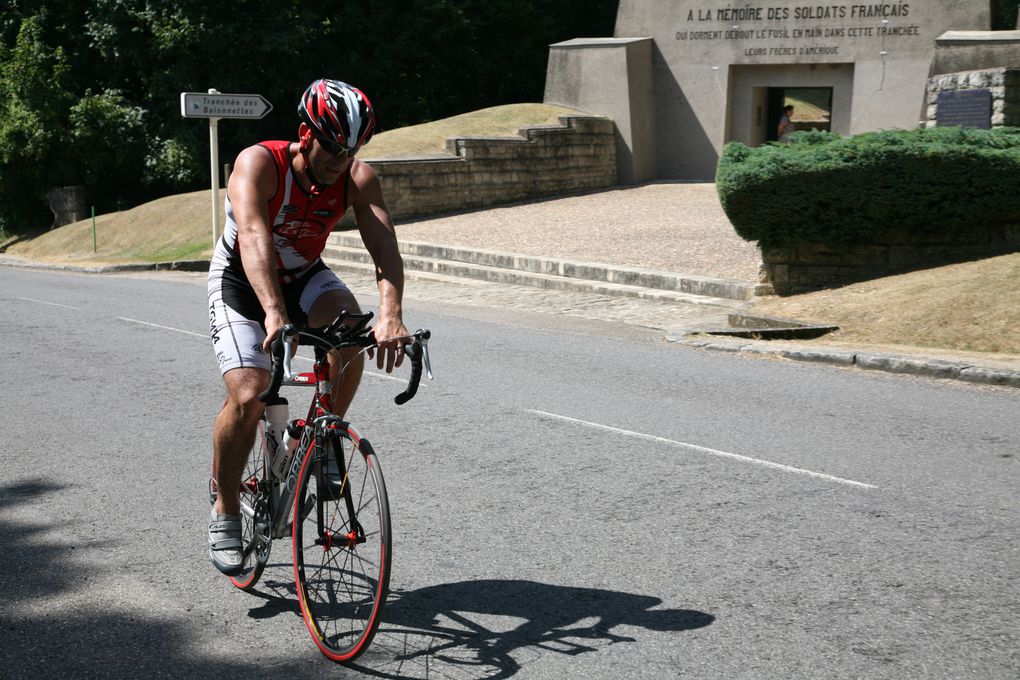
(341, 584)
(256, 472)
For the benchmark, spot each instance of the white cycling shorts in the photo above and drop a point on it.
(236, 317)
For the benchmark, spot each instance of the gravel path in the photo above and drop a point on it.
(674, 227)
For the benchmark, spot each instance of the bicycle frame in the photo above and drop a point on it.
(315, 429)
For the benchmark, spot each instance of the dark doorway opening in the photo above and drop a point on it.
(812, 108)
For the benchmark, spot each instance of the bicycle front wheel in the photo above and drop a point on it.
(341, 542)
(254, 509)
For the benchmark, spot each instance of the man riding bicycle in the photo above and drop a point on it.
(283, 200)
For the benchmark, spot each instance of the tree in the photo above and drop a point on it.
(108, 137)
(90, 89)
(33, 95)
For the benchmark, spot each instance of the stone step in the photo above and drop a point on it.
(357, 259)
(633, 277)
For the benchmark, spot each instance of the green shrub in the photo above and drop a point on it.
(828, 189)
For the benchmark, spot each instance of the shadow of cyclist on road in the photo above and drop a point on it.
(480, 625)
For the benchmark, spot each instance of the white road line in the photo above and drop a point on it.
(206, 335)
(166, 328)
(702, 449)
(44, 302)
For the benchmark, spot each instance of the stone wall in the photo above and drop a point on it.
(1002, 83)
(610, 77)
(812, 267)
(957, 51)
(553, 160)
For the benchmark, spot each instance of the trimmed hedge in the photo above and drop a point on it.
(822, 188)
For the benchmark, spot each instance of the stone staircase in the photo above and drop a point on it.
(346, 252)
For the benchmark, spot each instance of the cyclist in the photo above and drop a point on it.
(283, 199)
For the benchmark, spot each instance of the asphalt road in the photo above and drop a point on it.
(569, 499)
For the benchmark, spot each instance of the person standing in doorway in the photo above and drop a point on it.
(786, 125)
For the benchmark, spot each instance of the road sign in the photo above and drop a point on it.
(208, 105)
(215, 105)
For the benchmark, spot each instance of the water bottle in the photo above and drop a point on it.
(276, 415)
(291, 439)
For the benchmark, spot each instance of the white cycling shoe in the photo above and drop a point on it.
(225, 543)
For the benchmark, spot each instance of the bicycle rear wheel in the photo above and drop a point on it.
(254, 509)
(342, 548)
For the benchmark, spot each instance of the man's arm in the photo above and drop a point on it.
(376, 227)
(252, 184)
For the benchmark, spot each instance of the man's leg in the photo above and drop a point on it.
(234, 434)
(325, 309)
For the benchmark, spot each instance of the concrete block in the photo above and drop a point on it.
(910, 365)
(990, 376)
(821, 356)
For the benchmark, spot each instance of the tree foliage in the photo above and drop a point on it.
(90, 89)
(1004, 14)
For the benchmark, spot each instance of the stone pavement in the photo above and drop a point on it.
(639, 235)
(677, 227)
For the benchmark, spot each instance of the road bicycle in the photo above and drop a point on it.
(320, 483)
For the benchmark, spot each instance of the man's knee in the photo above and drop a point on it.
(243, 389)
(329, 305)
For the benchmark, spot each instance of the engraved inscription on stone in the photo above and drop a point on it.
(964, 108)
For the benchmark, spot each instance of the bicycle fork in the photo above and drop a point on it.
(327, 538)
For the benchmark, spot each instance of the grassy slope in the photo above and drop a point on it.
(171, 228)
(430, 138)
(972, 306)
(807, 105)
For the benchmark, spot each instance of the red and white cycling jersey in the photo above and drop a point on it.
(301, 222)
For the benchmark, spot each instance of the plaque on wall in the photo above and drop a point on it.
(964, 108)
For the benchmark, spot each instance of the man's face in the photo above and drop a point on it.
(327, 166)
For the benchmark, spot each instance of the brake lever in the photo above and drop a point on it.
(423, 336)
(287, 333)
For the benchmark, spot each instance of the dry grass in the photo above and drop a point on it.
(171, 228)
(970, 307)
(808, 105)
(430, 138)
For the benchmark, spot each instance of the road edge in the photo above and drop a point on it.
(862, 359)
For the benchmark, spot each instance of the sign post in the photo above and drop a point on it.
(215, 105)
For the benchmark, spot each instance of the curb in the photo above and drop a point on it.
(888, 363)
(176, 265)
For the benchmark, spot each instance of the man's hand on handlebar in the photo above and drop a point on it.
(390, 336)
(274, 322)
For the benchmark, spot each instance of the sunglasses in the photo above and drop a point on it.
(335, 149)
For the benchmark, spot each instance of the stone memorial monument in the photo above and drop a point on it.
(682, 78)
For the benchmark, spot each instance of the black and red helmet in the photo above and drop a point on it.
(338, 113)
